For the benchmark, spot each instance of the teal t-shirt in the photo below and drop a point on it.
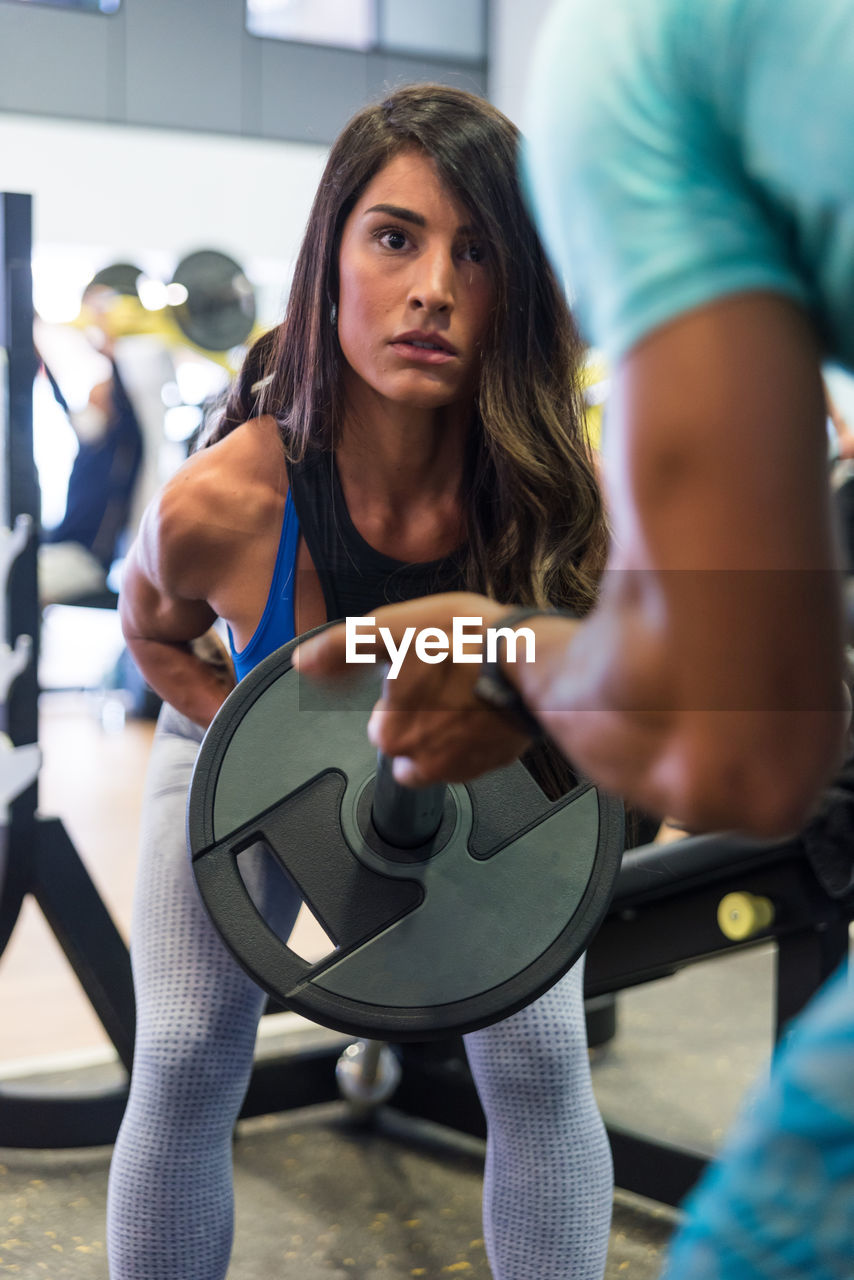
(684, 150)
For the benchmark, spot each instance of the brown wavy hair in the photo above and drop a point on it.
(536, 527)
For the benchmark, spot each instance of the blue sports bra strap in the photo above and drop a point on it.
(277, 621)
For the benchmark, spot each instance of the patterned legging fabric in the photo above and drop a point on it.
(548, 1182)
(779, 1202)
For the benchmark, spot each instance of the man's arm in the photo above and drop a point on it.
(707, 683)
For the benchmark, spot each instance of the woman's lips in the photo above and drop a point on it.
(425, 354)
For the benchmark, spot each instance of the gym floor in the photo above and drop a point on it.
(318, 1196)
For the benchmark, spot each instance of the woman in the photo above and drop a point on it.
(413, 426)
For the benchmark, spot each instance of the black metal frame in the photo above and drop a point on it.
(41, 859)
(664, 917)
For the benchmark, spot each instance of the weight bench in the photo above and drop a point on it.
(663, 917)
(665, 914)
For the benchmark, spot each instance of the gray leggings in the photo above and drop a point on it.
(548, 1183)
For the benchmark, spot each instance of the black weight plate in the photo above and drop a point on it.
(448, 938)
(219, 311)
(121, 277)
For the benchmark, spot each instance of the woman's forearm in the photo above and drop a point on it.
(194, 685)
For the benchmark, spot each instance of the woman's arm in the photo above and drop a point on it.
(163, 603)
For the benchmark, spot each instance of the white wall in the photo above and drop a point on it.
(514, 25)
(116, 193)
(124, 192)
(109, 193)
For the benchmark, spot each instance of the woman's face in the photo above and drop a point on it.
(416, 289)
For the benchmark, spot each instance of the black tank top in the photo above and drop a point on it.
(355, 578)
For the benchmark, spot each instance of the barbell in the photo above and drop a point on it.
(214, 307)
(449, 908)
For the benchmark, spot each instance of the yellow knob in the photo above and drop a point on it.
(741, 915)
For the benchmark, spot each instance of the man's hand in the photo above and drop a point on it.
(429, 719)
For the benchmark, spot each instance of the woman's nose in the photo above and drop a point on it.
(432, 284)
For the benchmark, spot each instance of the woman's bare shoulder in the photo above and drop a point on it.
(252, 450)
(220, 497)
(239, 473)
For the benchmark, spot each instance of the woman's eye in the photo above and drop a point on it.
(392, 239)
(474, 252)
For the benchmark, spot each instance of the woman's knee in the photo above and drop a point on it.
(195, 1069)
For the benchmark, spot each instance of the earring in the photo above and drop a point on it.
(333, 314)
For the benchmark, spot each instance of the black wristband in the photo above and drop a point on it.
(494, 689)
